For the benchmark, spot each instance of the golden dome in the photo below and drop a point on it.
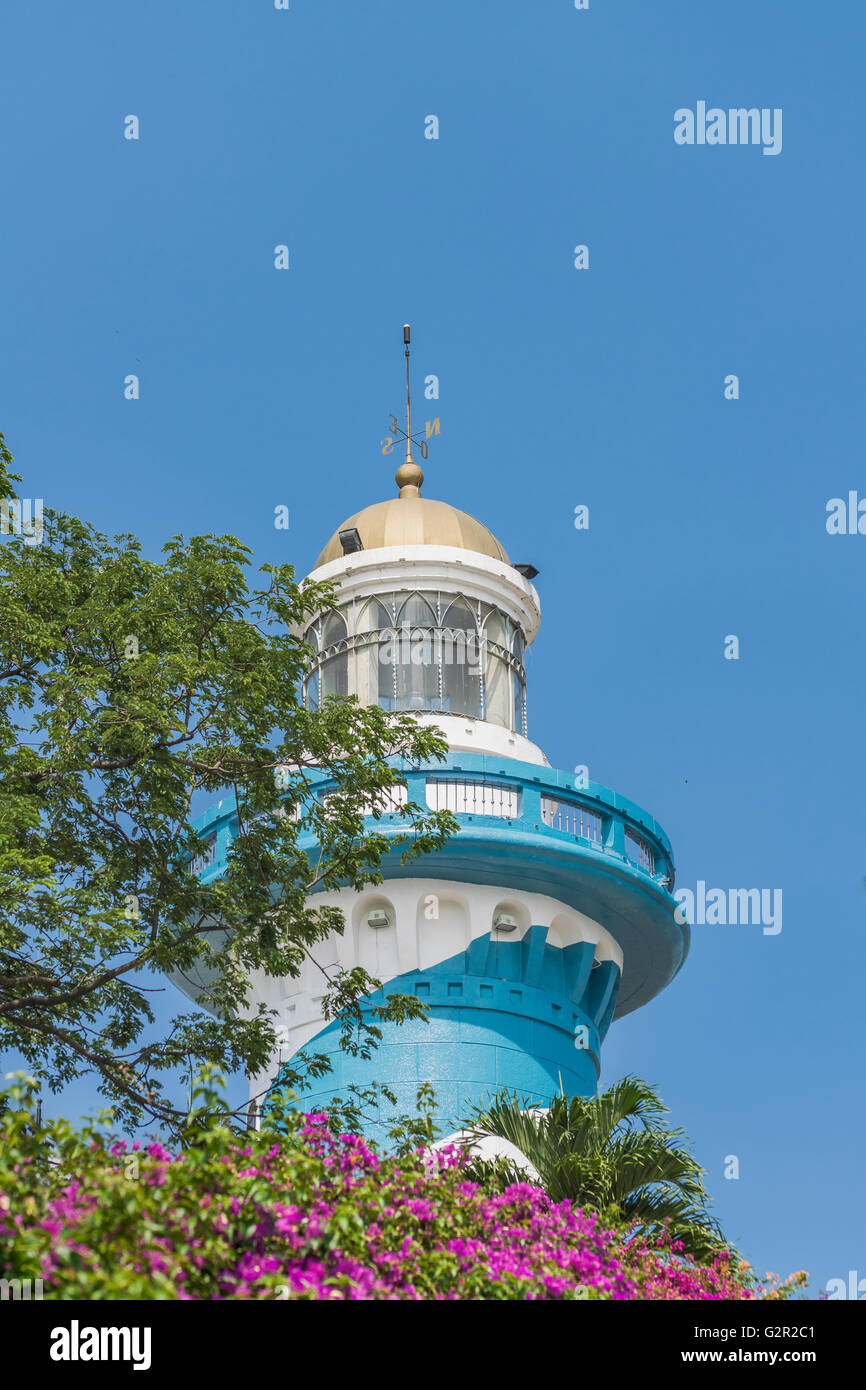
(411, 519)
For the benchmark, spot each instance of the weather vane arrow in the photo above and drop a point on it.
(421, 437)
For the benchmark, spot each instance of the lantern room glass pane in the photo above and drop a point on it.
(374, 617)
(497, 691)
(335, 629)
(381, 658)
(413, 666)
(335, 675)
(417, 611)
(461, 690)
(461, 660)
(417, 669)
(459, 614)
(519, 697)
(494, 630)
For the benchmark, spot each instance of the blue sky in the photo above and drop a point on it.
(559, 387)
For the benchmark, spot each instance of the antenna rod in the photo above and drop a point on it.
(406, 337)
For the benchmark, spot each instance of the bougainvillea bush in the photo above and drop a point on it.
(298, 1212)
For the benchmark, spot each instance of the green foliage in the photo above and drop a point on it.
(127, 689)
(6, 478)
(613, 1154)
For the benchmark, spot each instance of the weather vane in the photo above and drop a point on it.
(421, 437)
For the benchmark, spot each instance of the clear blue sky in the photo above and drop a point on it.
(558, 387)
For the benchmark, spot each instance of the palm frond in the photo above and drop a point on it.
(610, 1152)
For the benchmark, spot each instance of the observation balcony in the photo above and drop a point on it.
(525, 826)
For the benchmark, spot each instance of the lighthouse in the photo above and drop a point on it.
(549, 913)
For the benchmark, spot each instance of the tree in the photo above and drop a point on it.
(612, 1152)
(127, 689)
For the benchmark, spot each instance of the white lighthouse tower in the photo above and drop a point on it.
(549, 913)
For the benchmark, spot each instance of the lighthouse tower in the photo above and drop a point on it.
(549, 913)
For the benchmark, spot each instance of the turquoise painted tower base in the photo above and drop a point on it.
(520, 1016)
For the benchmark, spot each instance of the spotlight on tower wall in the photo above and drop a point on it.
(351, 541)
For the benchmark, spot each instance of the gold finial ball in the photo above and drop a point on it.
(409, 479)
